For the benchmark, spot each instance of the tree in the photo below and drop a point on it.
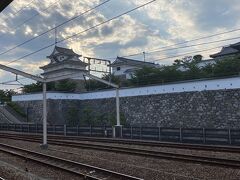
(6, 95)
(227, 66)
(193, 72)
(177, 62)
(197, 58)
(152, 75)
(88, 118)
(94, 85)
(207, 70)
(65, 85)
(72, 116)
(34, 87)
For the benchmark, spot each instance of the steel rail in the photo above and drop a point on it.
(141, 152)
(201, 147)
(88, 171)
(217, 148)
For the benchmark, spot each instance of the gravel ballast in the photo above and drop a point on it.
(147, 168)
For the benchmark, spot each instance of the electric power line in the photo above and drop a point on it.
(88, 29)
(73, 18)
(115, 17)
(194, 45)
(21, 9)
(188, 53)
(185, 42)
(11, 84)
(153, 60)
(182, 47)
(32, 17)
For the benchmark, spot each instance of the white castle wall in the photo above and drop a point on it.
(189, 86)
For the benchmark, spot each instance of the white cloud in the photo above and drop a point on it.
(28, 30)
(159, 24)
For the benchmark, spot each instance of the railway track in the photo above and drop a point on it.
(141, 152)
(83, 170)
(217, 148)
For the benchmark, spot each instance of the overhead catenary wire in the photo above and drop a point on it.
(188, 46)
(12, 81)
(88, 29)
(84, 31)
(77, 74)
(11, 84)
(188, 53)
(21, 9)
(180, 47)
(59, 25)
(177, 44)
(32, 17)
(165, 58)
(194, 45)
(156, 50)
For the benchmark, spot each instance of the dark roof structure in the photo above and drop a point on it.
(126, 61)
(228, 50)
(63, 51)
(236, 46)
(70, 58)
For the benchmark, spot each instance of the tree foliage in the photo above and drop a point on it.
(96, 85)
(6, 95)
(187, 69)
(34, 87)
(91, 117)
(63, 85)
(227, 67)
(182, 69)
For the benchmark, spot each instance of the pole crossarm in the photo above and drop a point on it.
(37, 78)
(117, 96)
(101, 80)
(68, 76)
(21, 73)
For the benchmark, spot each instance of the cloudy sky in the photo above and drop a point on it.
(155, 26)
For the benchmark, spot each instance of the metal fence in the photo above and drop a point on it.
(184, 135)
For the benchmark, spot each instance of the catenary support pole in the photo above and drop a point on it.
(117, 107)
(44, 145)
(118, 127)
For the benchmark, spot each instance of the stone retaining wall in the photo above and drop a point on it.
(209, 109)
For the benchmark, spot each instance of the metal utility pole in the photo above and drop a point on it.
(118, 127)
(118, 107)
(55, 34)
(144, 56)
(39, 79)
(44, 145)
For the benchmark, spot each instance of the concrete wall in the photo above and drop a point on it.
(209, 104)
